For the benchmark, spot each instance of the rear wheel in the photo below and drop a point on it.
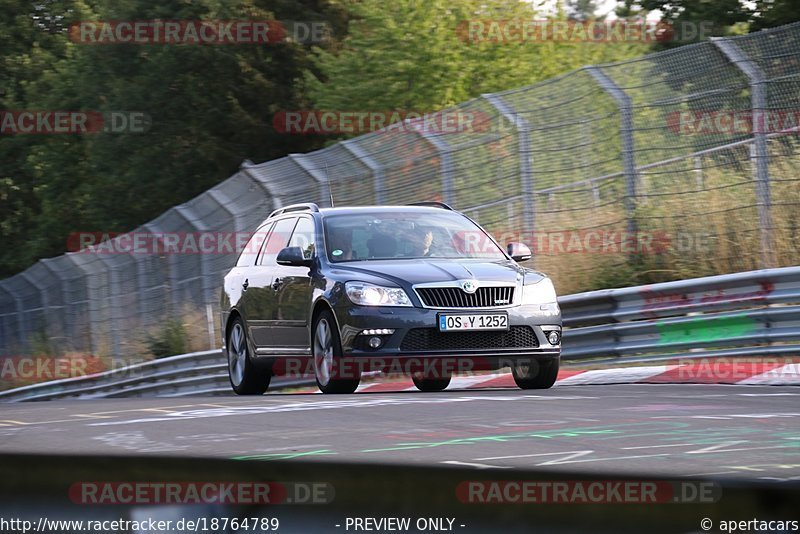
(535, 375)
(329, 366)
(245, 378)
(430, 384)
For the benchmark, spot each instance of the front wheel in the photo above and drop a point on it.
(535, 375)
(430, 384)
(329, 366)
(245, 378)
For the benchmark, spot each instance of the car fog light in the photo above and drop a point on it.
(378, 331)
(553, 338)
(374, 342)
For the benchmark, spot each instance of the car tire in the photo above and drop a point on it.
(536, 375)
(326, 349)
(245, 377)
(430, 384)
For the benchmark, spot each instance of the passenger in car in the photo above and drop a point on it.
(421, 243)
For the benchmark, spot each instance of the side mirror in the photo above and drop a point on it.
(293, 256)
(519, 251)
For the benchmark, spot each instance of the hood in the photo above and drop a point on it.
(405, 273)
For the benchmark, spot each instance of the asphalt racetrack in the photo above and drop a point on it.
(673, 430)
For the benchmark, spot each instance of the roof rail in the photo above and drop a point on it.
(308, 206)
(432, 203)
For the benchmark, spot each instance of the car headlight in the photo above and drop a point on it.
(372, 295)
(542, 293)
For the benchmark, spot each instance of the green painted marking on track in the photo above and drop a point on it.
(666, 431)
(283, 455)
(702, 329)
(571, 433)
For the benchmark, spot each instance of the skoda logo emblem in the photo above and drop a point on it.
(469, 286)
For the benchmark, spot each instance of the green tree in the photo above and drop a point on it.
(420, 55)
(771, 13)
(210, 107)
(720, 17)
(31, 42)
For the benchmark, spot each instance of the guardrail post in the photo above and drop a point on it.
(525, 159)
(626, 134)
(760, 154)
(375, 168)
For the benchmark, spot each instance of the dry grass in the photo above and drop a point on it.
(709, 225)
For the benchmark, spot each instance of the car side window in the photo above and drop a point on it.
(303, 237)
(253, 246)
(278, 239)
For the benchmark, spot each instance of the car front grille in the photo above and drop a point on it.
(431, 339)
(455, 297)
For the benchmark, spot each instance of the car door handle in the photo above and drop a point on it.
(245, 284)
(277, 283)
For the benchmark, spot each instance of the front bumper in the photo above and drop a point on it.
(525, 340)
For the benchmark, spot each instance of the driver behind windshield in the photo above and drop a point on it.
(421, 240)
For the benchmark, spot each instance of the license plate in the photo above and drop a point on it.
(484, 321)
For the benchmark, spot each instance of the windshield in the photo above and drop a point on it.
(406, 235)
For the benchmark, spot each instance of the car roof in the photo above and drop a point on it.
(298, 209)
(384, 209)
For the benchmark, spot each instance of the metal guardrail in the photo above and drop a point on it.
(196, 373)
(755, 313)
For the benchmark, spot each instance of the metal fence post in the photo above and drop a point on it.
(626, 135)
(22, 340)
(54, 320)
(321, 177)
(112, 302)
(205, 259)
(760, 154)
(247, 168)
(446, 165)
(375, 168)
(44, 300)
(171, 302)
(5, 318)
(79, 262)
(525, 158)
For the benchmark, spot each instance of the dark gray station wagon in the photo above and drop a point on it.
(419, 289)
